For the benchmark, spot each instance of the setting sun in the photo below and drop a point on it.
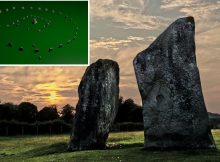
(53, 96)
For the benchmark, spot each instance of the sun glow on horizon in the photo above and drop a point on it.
(53, 96)
(51, 89)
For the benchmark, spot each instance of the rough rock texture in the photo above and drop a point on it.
(174, 111)
(97, 106)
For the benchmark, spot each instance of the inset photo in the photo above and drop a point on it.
(44, 33)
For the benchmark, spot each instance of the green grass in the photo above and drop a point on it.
(122, 147)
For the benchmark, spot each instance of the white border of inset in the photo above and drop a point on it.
(58, 64)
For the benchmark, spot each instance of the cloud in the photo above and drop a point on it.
(109, 43)
(171, 4)
(36, 84)
(126, 13)
(208, 49)
(206, 12)
(118, 44)
(208, 59)
(132, 38)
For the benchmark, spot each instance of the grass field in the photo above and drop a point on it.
(122, 147)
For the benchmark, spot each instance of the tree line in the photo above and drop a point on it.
(26, 119)
(28, 112)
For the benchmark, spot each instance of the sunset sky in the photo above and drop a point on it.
(120, 29)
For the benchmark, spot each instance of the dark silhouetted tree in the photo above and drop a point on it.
(9, 111)
(128, 111)
(137, 116)
(67, 113)
(28, 112)
(48, 113)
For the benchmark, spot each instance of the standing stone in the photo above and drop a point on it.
(174, 111)
(97, 106)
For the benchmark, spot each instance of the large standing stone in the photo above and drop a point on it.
(174, 111)
(97, 106)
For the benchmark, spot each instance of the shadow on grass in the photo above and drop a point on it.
(130, 150)
(201, 152)
(60, 147)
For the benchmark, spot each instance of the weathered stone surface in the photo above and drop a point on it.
(174, 111)
(97, 106)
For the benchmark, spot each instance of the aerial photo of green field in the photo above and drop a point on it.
(44, 32)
